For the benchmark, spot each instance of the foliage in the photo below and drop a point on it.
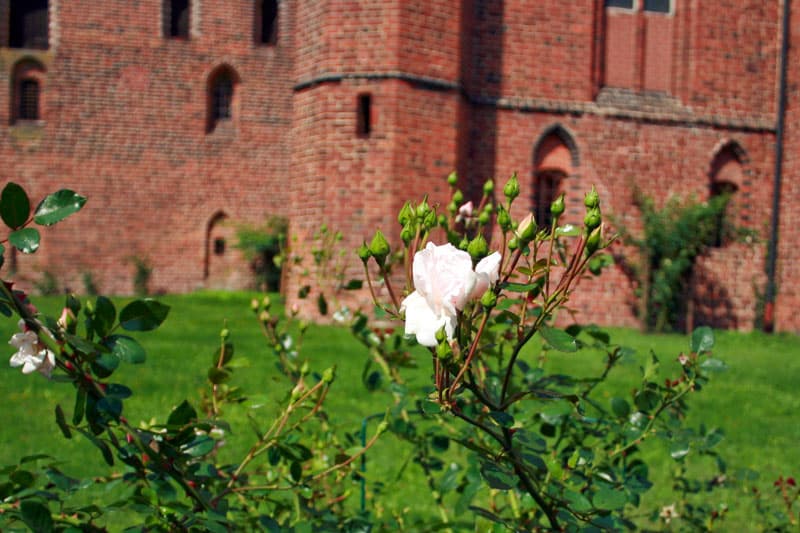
(540, 448)
(47, 285)
(554, 451)
(670, 242)
(264, 247)
(142, 271)
(89, 284)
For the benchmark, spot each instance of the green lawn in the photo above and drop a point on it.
(754, 401)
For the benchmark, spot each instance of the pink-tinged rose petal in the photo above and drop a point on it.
(423, 322)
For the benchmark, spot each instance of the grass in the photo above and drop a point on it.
(755, 401)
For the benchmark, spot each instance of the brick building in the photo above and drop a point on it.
(177, 117)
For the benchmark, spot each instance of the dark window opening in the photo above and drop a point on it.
(28, 24)
(266, 21)
(547, 188)
(626, 4)
(219, 246)
(28, 102)
(221, 98)
(657, 6)
(723, 226)
(364, 115)
(177, 19)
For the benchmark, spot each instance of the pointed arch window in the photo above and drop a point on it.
(221, 97)
(26, 87)
(554, 160)
(726, 177)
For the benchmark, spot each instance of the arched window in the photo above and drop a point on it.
(28, 24)
(266, 23)
(27, 90)
(554, 159)
(221, 97)
(726, 174)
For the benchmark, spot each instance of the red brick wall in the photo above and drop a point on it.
(125, 124)
(464, 85)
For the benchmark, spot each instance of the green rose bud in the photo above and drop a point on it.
(442, 221)
(430, 219)
(488, 187)
(363, 253)
(382, 427)
(452, 179)
(254, 305)
(483, 218)
(592, 219)
(329, 374)
(441, 335)
(511, 189)
(452, 208)
(557, 207)
(488, 208)
(443, 350)
(225, 333)
(593, 241)
(527, 228)
(464, 244)
(406, 214)
(407, 234)
(513, 243)
(489, 299)
(592, 199)
(305, 368)
(379, 248)
(478, 248)
(458, 198)
(503, 218)
(266, 302)
(423, 208)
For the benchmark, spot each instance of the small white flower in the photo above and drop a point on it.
(668, 512)
(444, 283)
(30, 356)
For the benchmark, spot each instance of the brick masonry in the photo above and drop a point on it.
(634, 98)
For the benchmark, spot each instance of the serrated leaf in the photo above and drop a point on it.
(182, 414)
(702, 339)
(26, 240)
(36, 516)
(143, 315)
(559, 339)
(58, 206)
(126, 349)
(14, 205)
(609, 500)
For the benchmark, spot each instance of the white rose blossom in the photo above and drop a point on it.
(29, 355)
(444, 282)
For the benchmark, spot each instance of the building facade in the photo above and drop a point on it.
(179, 118)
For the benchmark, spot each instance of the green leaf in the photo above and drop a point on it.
(568, 230)
(143, 315)
(105, 365)
(679, 449)
(80, 406)
(104, 316)
(36, 516)
(101, 445)
(559, 339)
(62, 422)
(58, 206)
(713, 365)
(218, 375)
(646, 400)
(497, 477)
(182, 415)
(353, 285)
(578, 502)
(503, 419)
(14, 205)
(199, 446)
(702, 339)
(519, 287)
(126, 349)
(620, 407)
(120, 392)
(609, 500)
(26, 240)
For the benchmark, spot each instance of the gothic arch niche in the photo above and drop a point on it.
(27, 88)
(555, 157)
(726, 175)
(222, 98)
(223, 266)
